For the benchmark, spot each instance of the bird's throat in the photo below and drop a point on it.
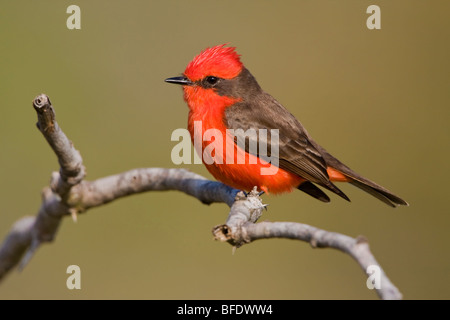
(207, 106)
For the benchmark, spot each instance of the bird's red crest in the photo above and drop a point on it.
(217, 61)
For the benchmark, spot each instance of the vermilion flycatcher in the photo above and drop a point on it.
(223, 94)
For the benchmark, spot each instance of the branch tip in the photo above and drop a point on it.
(41, 101)
(361, 239)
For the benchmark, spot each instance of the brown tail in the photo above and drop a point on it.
(376, 190)
(364, 184)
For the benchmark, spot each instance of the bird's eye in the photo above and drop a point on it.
(212, 80)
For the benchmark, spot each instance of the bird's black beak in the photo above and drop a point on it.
(180, 80)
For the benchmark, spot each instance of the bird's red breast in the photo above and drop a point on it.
(208, 108)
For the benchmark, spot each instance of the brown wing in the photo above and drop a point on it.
(296, 152)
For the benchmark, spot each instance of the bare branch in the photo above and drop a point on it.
(240, 228)
(15, 244)
(69, 194)
(90, 194)
(71, 170)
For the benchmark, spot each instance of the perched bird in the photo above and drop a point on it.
(222, 95)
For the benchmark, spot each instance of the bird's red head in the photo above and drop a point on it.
(218, 61)
(203, 74)
(203, 77)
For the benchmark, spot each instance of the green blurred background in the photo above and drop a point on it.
(376, 99)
